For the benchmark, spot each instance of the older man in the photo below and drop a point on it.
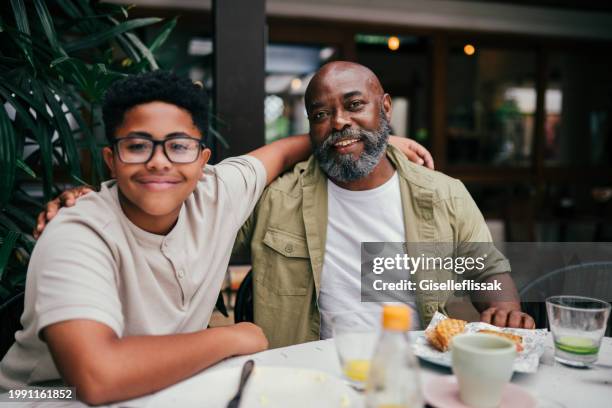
(305, 234)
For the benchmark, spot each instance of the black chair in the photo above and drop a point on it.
(10, 315)
(243, 311)
(593, 279)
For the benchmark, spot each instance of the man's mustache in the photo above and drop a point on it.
(336, 136)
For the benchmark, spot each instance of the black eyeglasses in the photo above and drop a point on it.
(139, 149)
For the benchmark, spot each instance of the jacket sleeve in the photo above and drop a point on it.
(242, 246)
(241, 252)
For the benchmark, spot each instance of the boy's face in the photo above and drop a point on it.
(157, 188)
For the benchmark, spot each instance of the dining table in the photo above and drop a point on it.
(553, 385)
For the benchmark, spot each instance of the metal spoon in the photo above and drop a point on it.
(247, 369)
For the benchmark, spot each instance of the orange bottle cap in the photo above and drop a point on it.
(396, 317)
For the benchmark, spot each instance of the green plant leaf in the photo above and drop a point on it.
(109, 34)
(7, 223)
(42, 133)
(90, 139)
(22, 197)
(144, 51)
(21, 111)
(163, 35)
(8, 243)
(219, 137)
(23, 166)
(128, 48)
(69, 147)
(115, 8)
(47, 24)
(21, 19)
(21, 16)
(21, 216)
(139, 45)
(33, 102)
(7, 157)
(69, 8)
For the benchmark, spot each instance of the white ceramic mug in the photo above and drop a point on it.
(483, 366)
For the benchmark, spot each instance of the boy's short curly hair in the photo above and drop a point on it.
(153, 86)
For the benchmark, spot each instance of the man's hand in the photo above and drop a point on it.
(415, 152)
(502, 309)
(507, 318)
(66, 199)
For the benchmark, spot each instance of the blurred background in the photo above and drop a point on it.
(512, 97)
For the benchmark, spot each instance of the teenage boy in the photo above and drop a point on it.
(121, 287)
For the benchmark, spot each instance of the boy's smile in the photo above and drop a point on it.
(152, 193)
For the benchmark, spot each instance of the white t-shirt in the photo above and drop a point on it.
(93, 263)
(354, 217)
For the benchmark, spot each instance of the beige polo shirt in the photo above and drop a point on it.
(93, 263)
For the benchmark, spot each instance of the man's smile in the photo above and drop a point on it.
(347, 145)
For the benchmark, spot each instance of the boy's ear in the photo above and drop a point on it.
(107, 154)
(205, 156)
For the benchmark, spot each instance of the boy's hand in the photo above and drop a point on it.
(415, 152)
(249, 338)
(66, 199)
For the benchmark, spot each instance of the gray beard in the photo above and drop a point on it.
(345, 168)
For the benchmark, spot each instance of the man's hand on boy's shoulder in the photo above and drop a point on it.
(66, 199)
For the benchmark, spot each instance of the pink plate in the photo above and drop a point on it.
(443, 392)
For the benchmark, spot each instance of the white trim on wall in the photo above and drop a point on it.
(462, 15)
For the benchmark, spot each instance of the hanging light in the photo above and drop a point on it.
(469, 49)
(393, 43)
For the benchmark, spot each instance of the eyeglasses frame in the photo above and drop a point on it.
(156, 143)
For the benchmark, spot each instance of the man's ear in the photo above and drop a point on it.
(386, 103)
(109, 159)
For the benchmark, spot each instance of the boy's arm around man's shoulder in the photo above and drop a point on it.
(282, 154)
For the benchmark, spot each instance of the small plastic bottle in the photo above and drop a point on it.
(393, 380)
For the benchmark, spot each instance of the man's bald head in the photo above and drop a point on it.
(330, 75)
(349, 118)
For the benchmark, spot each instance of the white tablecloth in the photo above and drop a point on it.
(571, 387)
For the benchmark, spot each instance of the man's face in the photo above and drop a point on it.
(158, 187)
(349, 124)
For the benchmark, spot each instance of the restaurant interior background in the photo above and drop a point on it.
(514, 98)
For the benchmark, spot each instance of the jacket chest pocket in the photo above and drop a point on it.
(288, 269)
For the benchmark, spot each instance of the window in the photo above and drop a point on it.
(491, 105)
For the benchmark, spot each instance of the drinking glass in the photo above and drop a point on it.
(577, 324)
(355, 335)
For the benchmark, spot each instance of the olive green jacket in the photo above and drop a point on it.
(285, 237)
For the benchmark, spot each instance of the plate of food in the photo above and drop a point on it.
(268, 387)
(434, 344)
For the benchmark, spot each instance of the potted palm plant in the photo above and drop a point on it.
(55, 65)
